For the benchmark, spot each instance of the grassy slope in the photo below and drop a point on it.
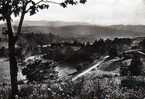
(4, 70)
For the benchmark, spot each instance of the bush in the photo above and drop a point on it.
(132, 83)
(40, 70)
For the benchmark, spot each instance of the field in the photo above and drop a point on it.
(4, 70)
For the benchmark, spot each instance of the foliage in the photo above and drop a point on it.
(81, 89)
(9, 7)
(40, 71)
(136, 66)
(131, 83)
(2, 52)
(142, 44)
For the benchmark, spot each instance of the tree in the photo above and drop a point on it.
(40, 70)
(135, 67)
(19, 8)
(142, 44)
(112, 52)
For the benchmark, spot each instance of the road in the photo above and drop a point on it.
(63, 72)
(95, 66)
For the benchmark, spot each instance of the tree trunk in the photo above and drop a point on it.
(12, 60)
(13, 69)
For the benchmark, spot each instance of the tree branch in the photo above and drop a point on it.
(47, 1)
(20, 23)
(44, 1)
(10, 31)
(19, 27)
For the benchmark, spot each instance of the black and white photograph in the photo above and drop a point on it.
(72, 49)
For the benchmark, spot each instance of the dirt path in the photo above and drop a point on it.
(63, 72)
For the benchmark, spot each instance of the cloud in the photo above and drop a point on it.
(102, 12)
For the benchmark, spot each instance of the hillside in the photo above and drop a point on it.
(83, 31)
(134, 28)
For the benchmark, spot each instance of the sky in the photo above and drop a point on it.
(100, 12)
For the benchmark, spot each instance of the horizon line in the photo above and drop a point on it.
(77, 22)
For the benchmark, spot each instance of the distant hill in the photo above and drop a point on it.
(134, 28)
(51, 23)
(83, 31)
